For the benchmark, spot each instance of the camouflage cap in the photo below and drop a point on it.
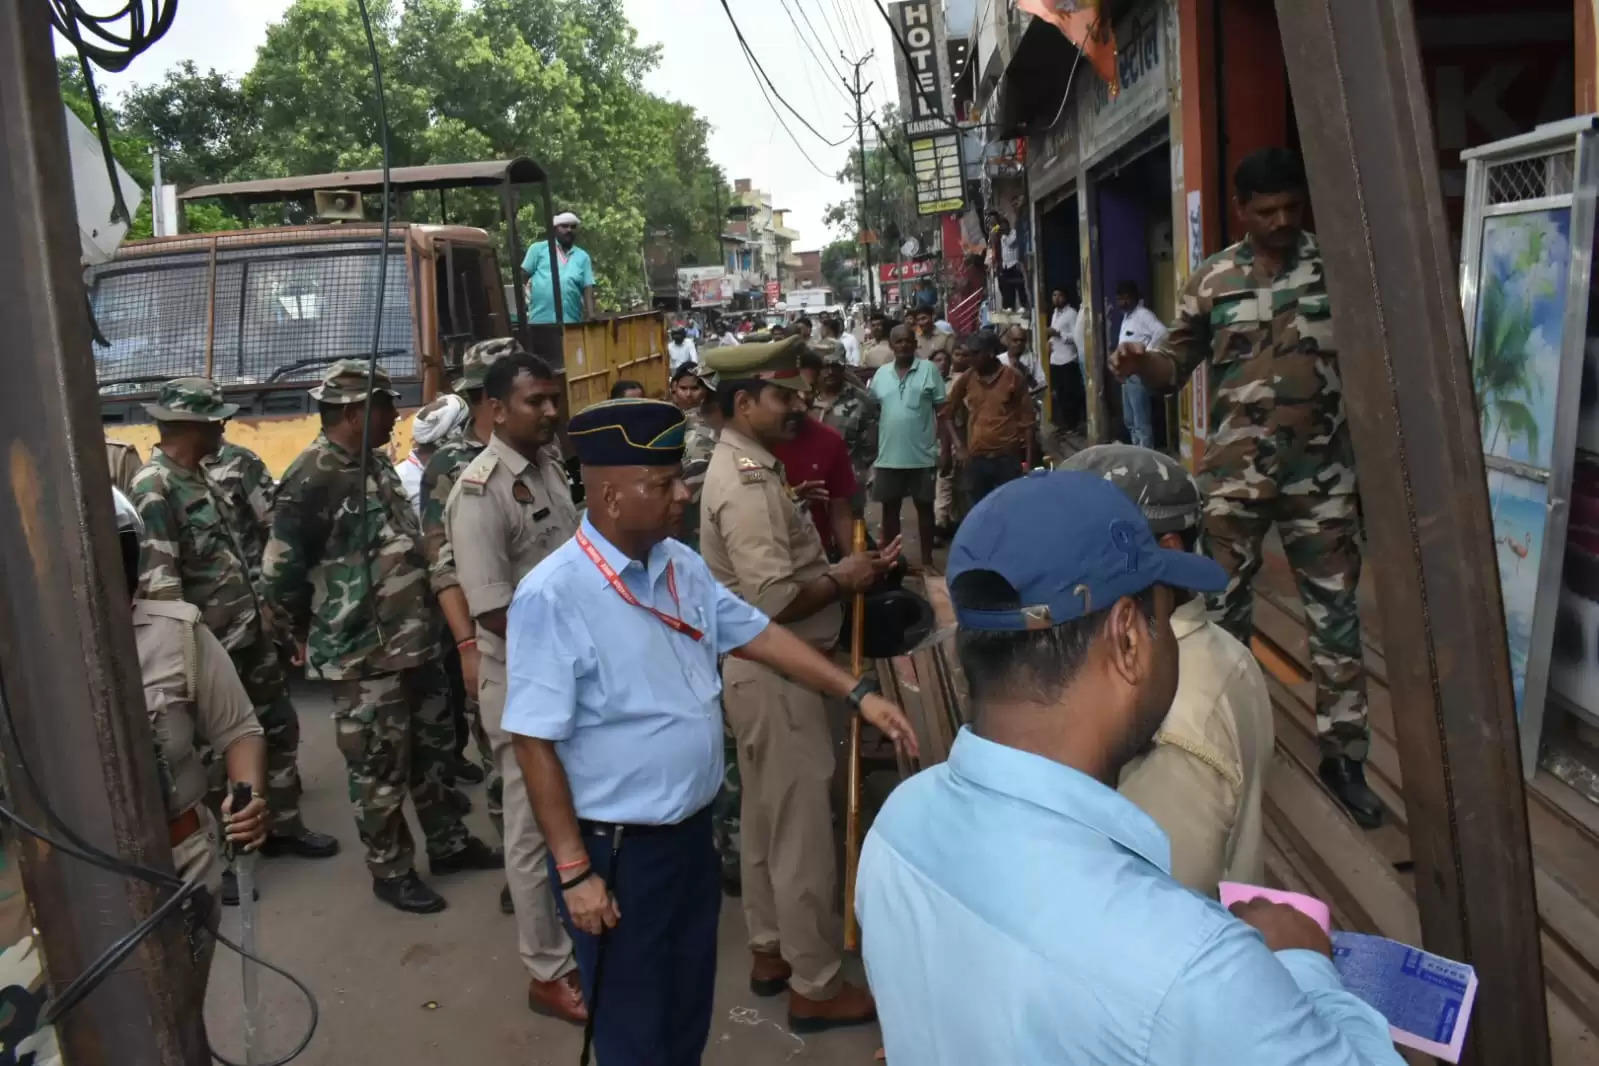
(346, 382)
(1161, 486)
(777, 362)
(831, 351)
(478, 358)
(191, 400)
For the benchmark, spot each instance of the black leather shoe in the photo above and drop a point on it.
(306, 843)
(230, 889)
(459, 800)
(1347, 779)
(408, 893)
(468, 773)
(473, 855)
(506, 906)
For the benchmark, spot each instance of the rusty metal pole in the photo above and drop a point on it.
(71, 677)
(1363, 113)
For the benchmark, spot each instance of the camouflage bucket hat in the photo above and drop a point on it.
(191, 400)
(346, 380)
(478, 358)
(831, 351)
(1162, 487)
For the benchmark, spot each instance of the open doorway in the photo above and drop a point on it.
(1060, 266)
(1133, 202)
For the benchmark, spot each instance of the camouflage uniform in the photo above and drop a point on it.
(439, 476)
(854, 414)
(192, 552)
(346, 568)
(1279, 454)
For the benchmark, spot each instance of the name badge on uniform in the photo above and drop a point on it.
(521, 493)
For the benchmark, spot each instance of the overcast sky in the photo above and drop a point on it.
(700, 65)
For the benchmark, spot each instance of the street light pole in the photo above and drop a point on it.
(860, 139)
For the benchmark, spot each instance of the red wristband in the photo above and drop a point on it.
(463, 643)
(564, 866)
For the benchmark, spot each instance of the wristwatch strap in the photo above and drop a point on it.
(866, 686)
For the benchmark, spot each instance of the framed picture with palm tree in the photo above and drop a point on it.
(1525, 272)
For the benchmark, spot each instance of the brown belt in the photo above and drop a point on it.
(184, 826)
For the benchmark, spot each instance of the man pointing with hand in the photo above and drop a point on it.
(613, 704)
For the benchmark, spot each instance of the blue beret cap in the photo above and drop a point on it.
(628, 432)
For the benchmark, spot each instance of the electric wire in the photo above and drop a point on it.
(905, 50)
(761, 75)
(819, 51)
(98, 45)
(70, 842)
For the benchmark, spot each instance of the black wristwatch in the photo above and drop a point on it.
(866, 686)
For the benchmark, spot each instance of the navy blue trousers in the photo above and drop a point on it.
(660, 960)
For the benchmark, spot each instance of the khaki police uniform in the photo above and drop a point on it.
(759, 541)
(504, 515)
(124, 461)
(193, 696)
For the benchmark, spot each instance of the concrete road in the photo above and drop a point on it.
(408, 990)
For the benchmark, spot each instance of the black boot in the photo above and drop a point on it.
(1347, 779)
(473, 855)
(408, 893)
(305, 843)
(506, 906)
(469, 773)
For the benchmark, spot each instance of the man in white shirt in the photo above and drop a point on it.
(1025, 362)
(833, 329)
(681, 349)
(1012, 282)
(1141, 326)
(1066, 380)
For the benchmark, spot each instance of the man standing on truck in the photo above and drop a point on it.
(192, 552)
(577, 276)
(345, 567)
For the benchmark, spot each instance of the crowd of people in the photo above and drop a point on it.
(645, 677)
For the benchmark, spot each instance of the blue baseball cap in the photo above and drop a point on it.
(1070, 543)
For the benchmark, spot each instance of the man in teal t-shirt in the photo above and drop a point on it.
(577, 276)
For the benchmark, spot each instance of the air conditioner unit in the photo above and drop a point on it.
(339, 205)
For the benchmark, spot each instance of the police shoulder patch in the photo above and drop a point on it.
(477, 472)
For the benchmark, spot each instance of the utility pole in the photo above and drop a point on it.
(860, 139)
(72, 696)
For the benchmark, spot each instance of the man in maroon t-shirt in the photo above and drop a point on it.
(817, 467)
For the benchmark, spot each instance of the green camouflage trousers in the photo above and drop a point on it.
(493, 783)
(725, 808)
(395, 734)
(1321, 537)
(258, 667)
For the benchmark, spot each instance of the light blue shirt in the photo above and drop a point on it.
(1017, 912)
(632, 705)
(577, 274)
(906, 422)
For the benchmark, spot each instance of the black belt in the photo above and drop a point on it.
(606, 829)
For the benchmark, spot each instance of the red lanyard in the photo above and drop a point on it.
(622, 590)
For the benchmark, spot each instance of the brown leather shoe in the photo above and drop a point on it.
(769, 974)
(850, 1005)
(561, 998)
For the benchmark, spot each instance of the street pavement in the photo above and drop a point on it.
(417, 990)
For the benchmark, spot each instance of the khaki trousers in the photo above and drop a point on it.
(546, 949)
(790, 883)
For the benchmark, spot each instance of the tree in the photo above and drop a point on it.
(558, 80)
(840, 260)
(890, 195)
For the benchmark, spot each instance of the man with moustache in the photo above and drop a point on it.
(576, 270)
(510, 508)
(614, 641)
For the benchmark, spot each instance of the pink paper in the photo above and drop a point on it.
(1235, 892)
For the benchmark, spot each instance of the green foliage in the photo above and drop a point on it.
(558, 80)
(837, 267)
